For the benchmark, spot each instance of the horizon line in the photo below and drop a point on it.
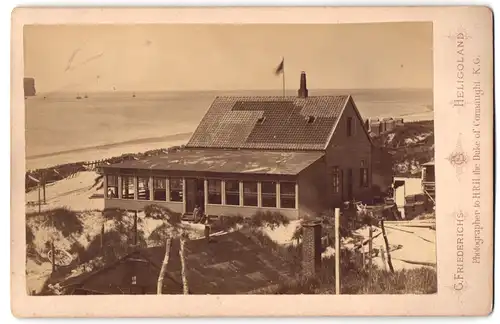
(225, 90)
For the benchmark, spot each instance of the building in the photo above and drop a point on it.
(429, 181)
(382, 172)
(296, 155)
(374, 126)
(408, 196)
(231, 263)
(399, 122)
(414, 196)
(133, 274)
(377, 126)
(389, 124)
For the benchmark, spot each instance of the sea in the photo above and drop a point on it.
(72, 127)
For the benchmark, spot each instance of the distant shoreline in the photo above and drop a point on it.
(105, 151)
(172, 137)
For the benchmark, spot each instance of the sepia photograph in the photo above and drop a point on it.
(220, 159)
(272, 161)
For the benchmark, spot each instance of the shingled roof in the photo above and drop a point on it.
(283, 123)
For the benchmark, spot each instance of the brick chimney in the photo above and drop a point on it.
(303, 92)
(311, 248)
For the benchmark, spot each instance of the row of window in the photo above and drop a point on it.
(143, 190)
(250, 193)
(231, 193)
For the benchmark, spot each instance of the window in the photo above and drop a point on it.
(112, 183)
(128, 187)
(159, 189)
(176, 189)
(349, 126)
(336, 179)
(363, 177)
(214, 191)
(143, 188)
(287, 195)
(250, 193)
(232, 192)
(261, 120)
(310, 119)
(268, 190)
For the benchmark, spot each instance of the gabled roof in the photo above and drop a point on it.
(140, 255)
(232, 263)
(225, 161)
(287, 123)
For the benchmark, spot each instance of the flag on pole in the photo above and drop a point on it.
(281, 67)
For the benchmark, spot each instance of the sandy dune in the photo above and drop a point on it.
(73, 193)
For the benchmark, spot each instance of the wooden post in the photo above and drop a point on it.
(159, 285)
(259, 194)
(185, 287)
(363, 255)
(135, 227)
(136, 191)
(382, 255)
(102, 236)
(43, 188)
(52, 248)
(337, 251)
(120, 186)
(370, 248)
(207, 233)
(241, 189)
(184, 198)
(39, 200)
(205, 196)
(223, 191)
(389, 261)
(278, 194)
(296, 195)
(151, 188)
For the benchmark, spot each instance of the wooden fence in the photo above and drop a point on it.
(70, 170)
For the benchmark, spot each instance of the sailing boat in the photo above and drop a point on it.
(86, 96)
(78, 96)
(133, 95)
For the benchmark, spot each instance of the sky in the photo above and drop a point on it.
(77, 58)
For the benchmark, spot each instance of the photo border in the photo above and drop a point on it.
(454, 134)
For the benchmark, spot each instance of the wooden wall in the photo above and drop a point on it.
(313, 190)
(348, 152)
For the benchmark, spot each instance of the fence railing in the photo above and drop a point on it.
(70, 170)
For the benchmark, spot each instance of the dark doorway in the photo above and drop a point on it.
(195, 194)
